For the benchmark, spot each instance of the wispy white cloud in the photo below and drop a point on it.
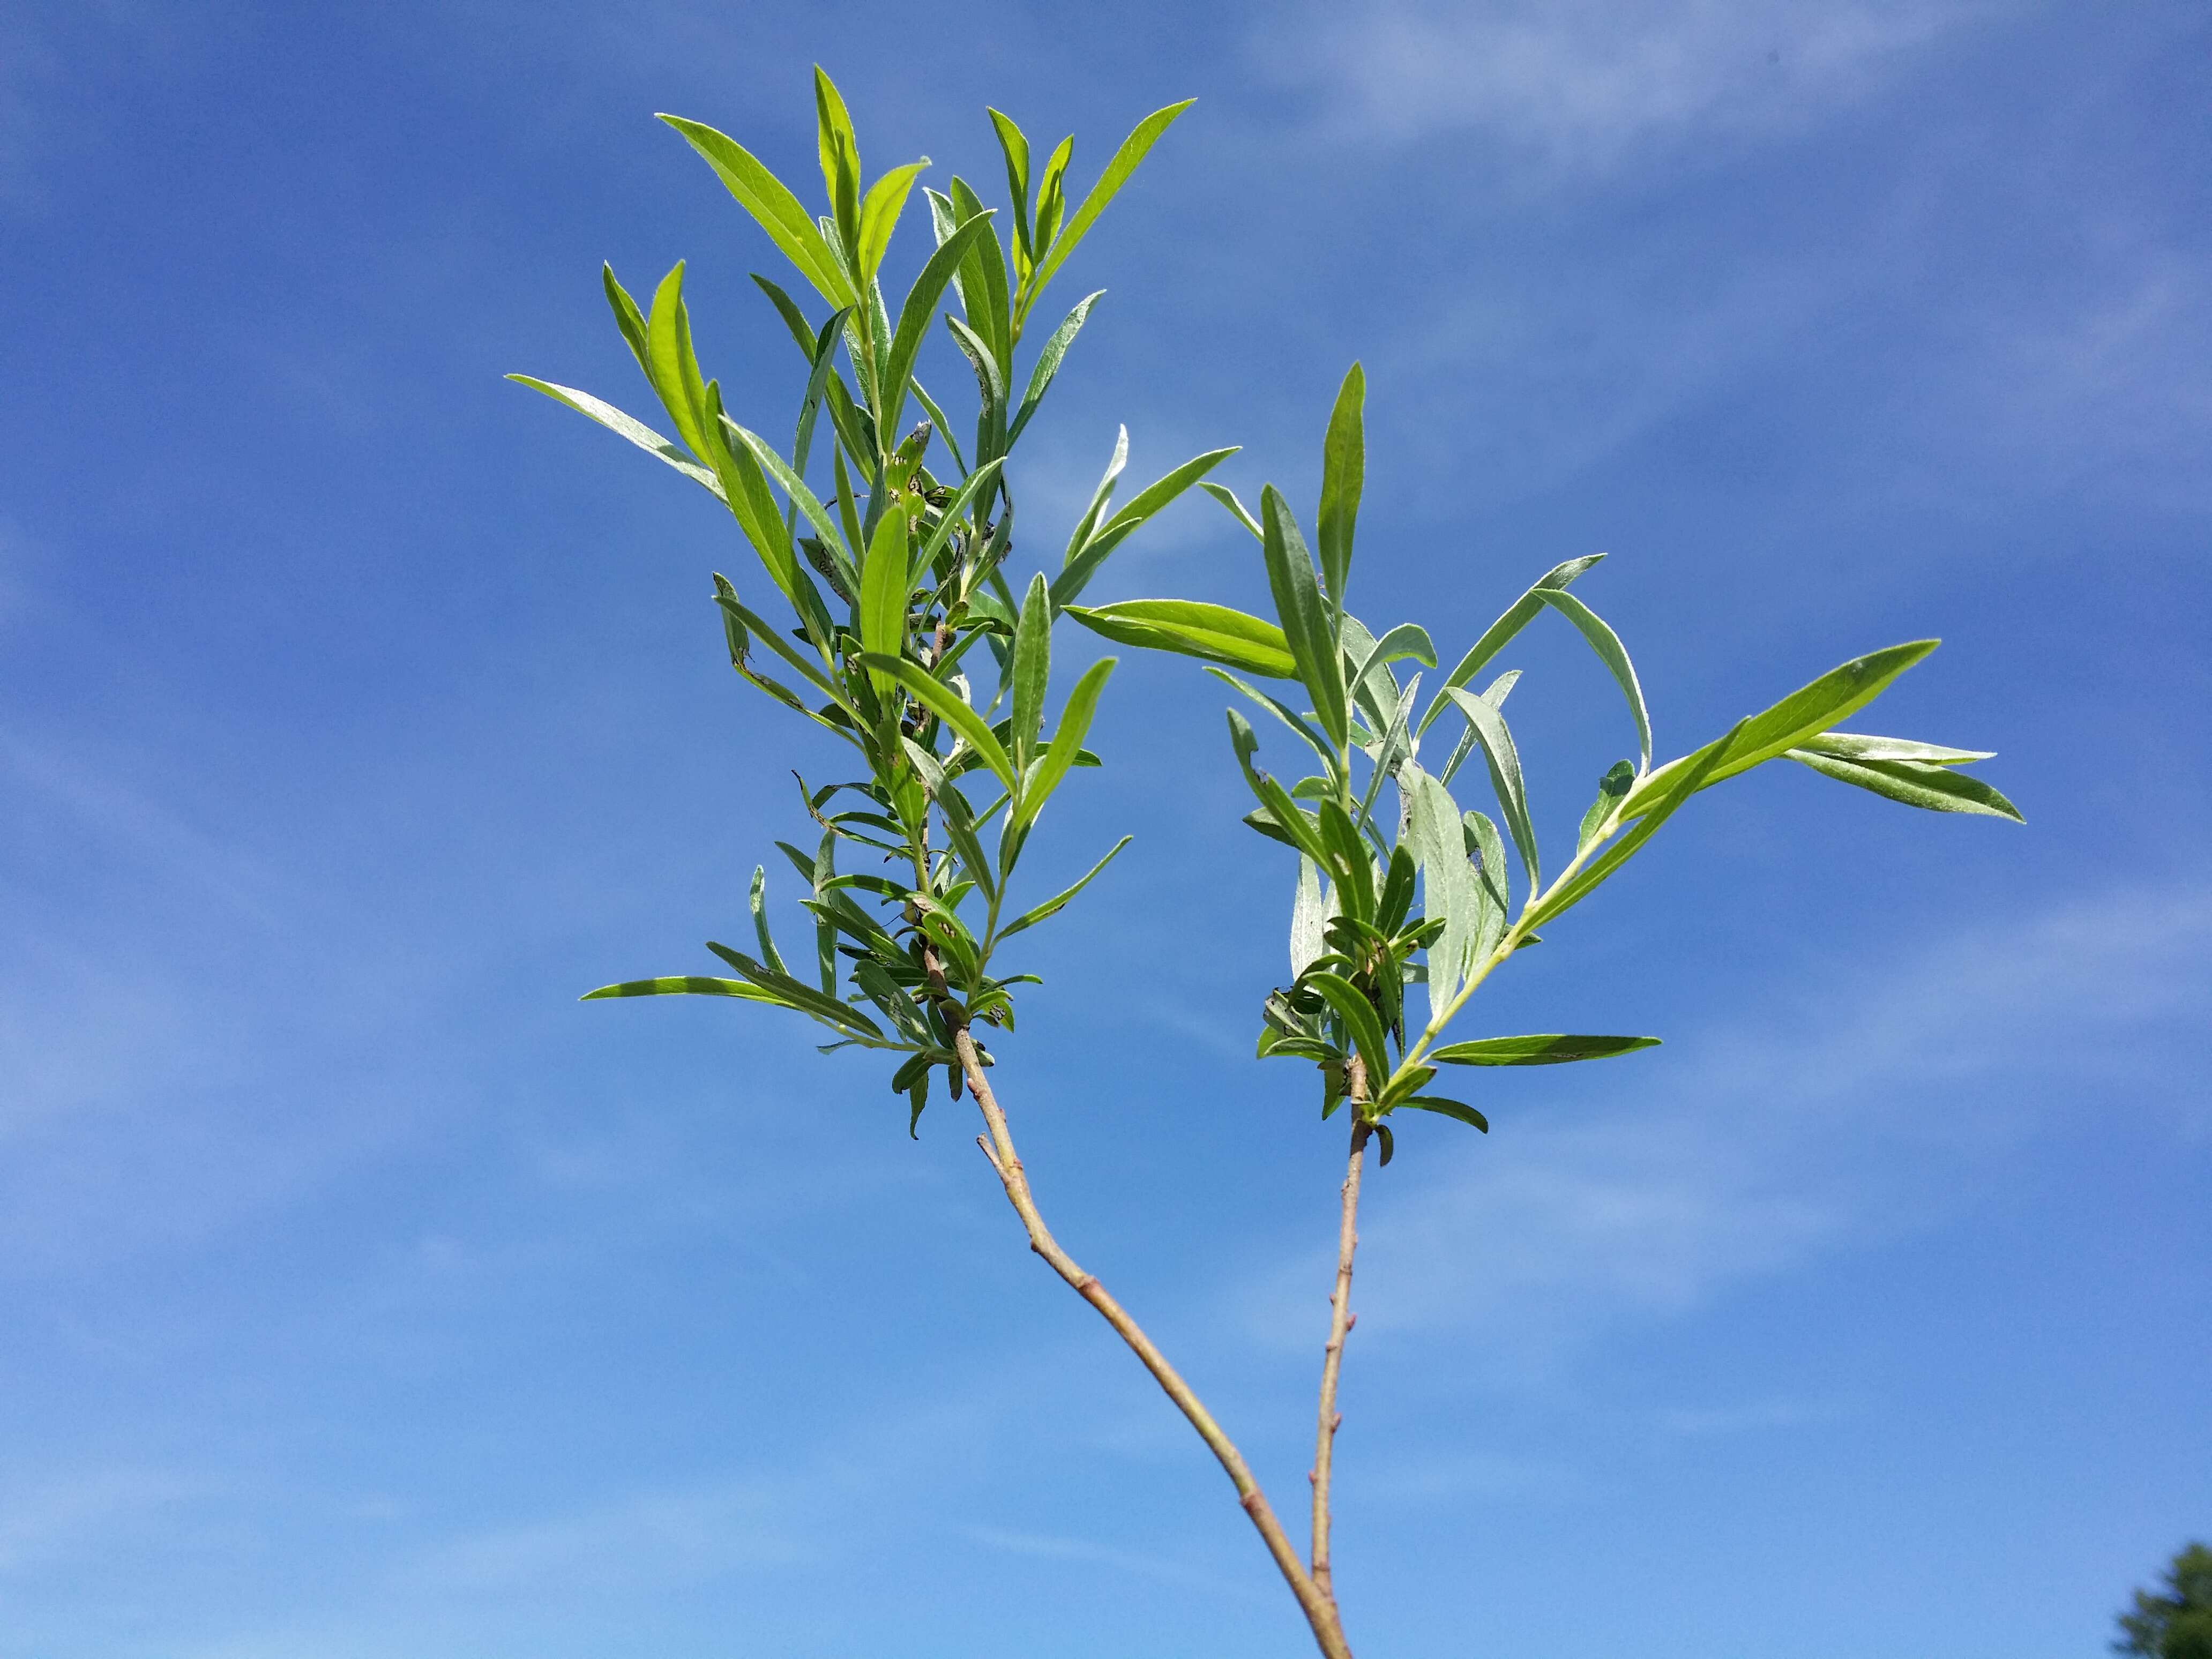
(1841, 1116)
(656, 1540)
(1052, 1548)
(1587, 86)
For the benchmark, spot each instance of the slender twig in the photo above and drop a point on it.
(1340, 1322)
(1006, 1164)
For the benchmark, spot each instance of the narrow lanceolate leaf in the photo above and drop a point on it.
(1547, 1050)
(627, 316)
(1361, 1022)
(1099, 498)
(1486, 853)
(1291, 825)
(802, 497)
(1282, 712)
(1505, 777)
(635, 430)
(1083, 564)
(1058, 902)
(914, 316)
(793, 994)
(942, 700)
(1343, 473)
(773, 637)
(1124, 163)
(793, 317)
(840, 152)
(983, 274)
(1307, 917)
(1805, 713)
(1495, 638)
(1067, 742)
(1916, 783)
(685, 985)
(779, 213)
(1614, 655)
(1305, 619)
(1681, 782)
(769, 954)
(1031, 668)
(1191, 628)
(1853, 746)
(1450, 879)
(1049, 361)
(1452, 1109)
(1014, 143)
(884, 593)
(880, 214)
(754, 508)
(1238, 510)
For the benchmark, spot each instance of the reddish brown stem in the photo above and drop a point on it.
(1340, 1322)
(1319, 1609)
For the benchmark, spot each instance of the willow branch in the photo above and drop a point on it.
(1340, 1322)
(1006, 1163)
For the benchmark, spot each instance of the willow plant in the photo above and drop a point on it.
(1358, 940)
(893, 569)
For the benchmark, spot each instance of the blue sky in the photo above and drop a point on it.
(365, 1295)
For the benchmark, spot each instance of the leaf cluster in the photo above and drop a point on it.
(1359, 938)
(893, 569)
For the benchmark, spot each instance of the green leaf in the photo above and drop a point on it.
(1124, 162)
(1343, 472)
(1032, 668)
(1052, 200)
(1505, 777)
(1443, 1107)
(754, 508)
(1291, 826)
(692, 985)
(1308, 916)
(759, 905)
(1067, 742)
(1805, 713)
(793, 994)
(884, 592)
(1282, 712)
(914, 320)
(1350, 873)
(778, 212)
(793, 317)
(1851, 746)
(1361, 1022)
(627, 318)
(1433, 825)
(840, 152)
(1614, 655)
(1015, 145)
(1084, 562)
(942, 700)
(1546, 1050)
(1048, 363)
(804, 498)
(1227, 497)
(1192, 628)
(982, 279)
(1916, 783)
(1099, 497)
(1495, 638)
(1388, 1143)
(960, 830)
(636, 431)
(1058, 902)
(1306, 626)
(880, 214)
(1486, 850)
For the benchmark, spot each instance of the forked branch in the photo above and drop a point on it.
(1318, 1607)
